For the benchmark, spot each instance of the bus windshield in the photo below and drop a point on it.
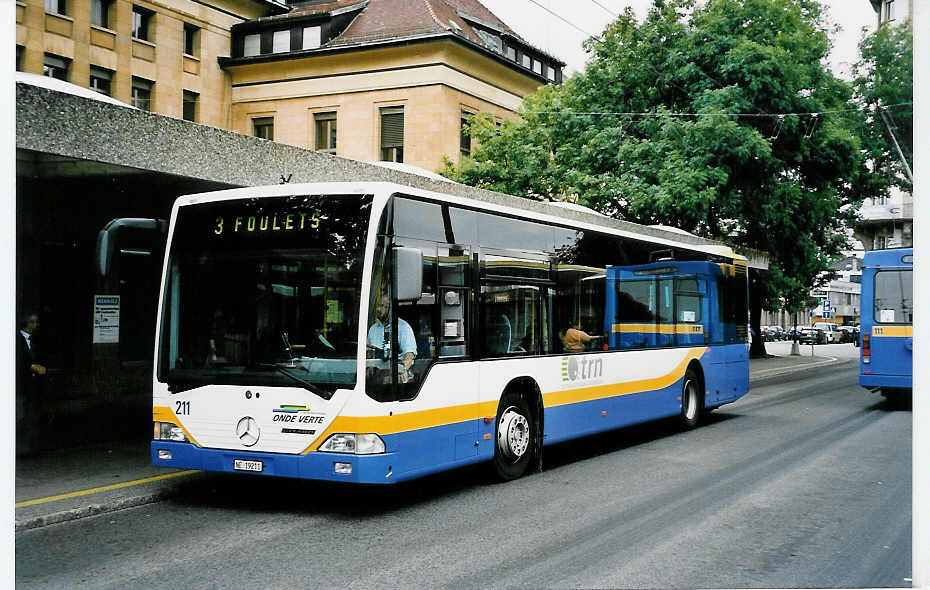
(265, 292)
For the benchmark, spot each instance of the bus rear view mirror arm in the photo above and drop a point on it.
(408, 273)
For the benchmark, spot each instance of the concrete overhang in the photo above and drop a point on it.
(63, 134)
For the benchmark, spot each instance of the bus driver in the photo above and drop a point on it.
(379, 336)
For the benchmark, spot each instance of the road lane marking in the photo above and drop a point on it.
(829, 360)
(114, 486)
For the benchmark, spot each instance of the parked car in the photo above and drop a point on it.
(773, 333)
(811, 335)
(848, 334)
(831, 334)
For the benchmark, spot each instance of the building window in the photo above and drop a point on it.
(492, 40)
(464, 134)
(191, 40)
(510, 52)
(19, 57)
(325, 124)
(263, 127)
(100, 80)
(889, 10)
(252, 45)
(881, 242)
(189, 107)
(392, 134)
(142, 23)
(281, 42)
(100, 13)
(55, 67)
(142, 93)
(527, 61)
(312, 39)
(550, 73)
(56, 6)
(537, 66)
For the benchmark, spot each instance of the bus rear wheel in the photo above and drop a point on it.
(515, 437)
(692, 400)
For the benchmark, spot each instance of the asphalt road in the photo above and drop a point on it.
(805, 482)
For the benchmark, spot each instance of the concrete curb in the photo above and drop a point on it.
(91, 510)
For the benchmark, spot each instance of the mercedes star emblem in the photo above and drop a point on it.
(248, 431)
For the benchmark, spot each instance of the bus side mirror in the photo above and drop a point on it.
(408, 273)
(108, 238)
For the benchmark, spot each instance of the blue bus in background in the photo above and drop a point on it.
(886, 345)
(685, 304)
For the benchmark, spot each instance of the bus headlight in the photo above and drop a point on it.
(169, 431)
(356, 444)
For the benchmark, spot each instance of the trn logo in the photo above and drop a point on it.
(577, 368)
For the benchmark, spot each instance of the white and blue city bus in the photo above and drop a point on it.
(887, 317)
(374, 333)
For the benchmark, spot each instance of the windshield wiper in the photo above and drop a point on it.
(311, 387)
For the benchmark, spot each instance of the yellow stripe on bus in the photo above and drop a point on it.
(658, 328)
(442, 416)
(584, 394)
(892, 331)
(408, 421)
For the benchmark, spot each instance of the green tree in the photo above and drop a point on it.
(884, 84)
(698, 118)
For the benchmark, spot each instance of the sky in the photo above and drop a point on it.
(545, 30)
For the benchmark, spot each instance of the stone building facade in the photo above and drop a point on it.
(364, 79)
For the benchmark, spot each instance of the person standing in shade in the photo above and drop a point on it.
(30, 376)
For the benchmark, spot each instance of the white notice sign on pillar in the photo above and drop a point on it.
(106, 319)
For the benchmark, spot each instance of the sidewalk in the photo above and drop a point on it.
(73, 483)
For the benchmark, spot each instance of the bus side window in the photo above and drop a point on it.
(509, 314)
(420, 315)
(689, 327)
(579, 301)
(635, 313)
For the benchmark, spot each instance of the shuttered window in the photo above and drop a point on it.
(252, 45)
(325, 132)
(392, 134)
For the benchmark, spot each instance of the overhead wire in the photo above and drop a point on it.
(563, 19)
(725, 114)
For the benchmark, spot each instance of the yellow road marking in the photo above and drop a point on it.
(114, 486)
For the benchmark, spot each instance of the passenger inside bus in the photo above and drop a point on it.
(574, 338)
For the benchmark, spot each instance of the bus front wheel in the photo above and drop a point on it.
(515, 437)
(692, 400)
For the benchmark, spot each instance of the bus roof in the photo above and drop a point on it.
(895, 257)
(491, 201)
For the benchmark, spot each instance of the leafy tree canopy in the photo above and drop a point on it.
(697, 118)
(885, 82)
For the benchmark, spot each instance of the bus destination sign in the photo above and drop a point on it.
(275, 222)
